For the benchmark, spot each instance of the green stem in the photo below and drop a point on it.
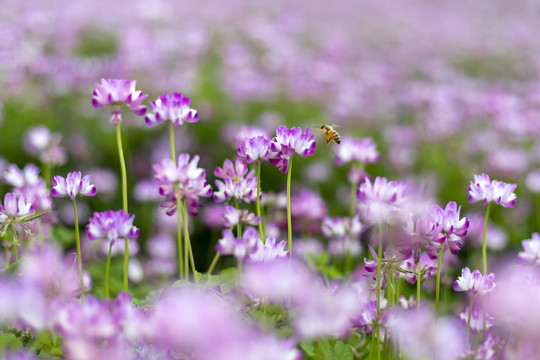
(258, 201)
(108, 271)
(6, 257)
(213, 263)
(469, 318)
(186, 236)
(352, 203)
(239, 266)
(418, 284)
(124, 198)
(438, 284)
(46, 174)
(398, 290)
(14, 232)
(126, 264)
(484, 245)
(173, 155)
(187, 242)
(79, 258)
(289, 222)
(378, 290)
(538, 212)
(179, 222)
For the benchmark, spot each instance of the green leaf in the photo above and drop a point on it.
(308, 348)
(326, 350)
(57, 352)
(229, 278)
(343, 351)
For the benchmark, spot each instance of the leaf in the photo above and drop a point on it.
(308, 348)
(343, 351)
(57, 352)
(326, 350)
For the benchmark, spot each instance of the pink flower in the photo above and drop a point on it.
(482, 189)
(111, 225)
(287, 142)
(237, 182)
(381, 200)
(356, 150)
(254, 148)
(531, 249)
(239, 247)
(269, 251)
(174, 108)
(72, 185)
(475, 282)
(118, 92)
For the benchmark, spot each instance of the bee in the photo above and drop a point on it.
(330, 133)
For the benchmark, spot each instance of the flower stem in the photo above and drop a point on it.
(189, 249)
(438, 284)
(538, 211)
(173, 155)
(124, 198)
(79, 258)
(418, 284)
(469, 317)
(378, 290)
(213, 263)
(187, 242)
(484, 246)
(46, 173)
(108, 270)
(239, 266)
(258, 200)
(179, 253)
(289, 225)
(14, 232)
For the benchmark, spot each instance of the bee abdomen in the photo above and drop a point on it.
(337, 138)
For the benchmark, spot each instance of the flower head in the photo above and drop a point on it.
(482, 189)
(381, 200)
(269, 251)
(239, 247)
(14, 211)
(72, 185)
(41, 141)
(118, 92)
(27, 183)
(111, 225)
(233, 217)
(287, 142)
(184, 180)
(237, 182)
(475, 282)
(363, 151)
(254, 148)
(174, 108)
(531, 249)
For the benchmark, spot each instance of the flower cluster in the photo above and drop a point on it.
(73, 185)
(269, 251)
(363, 151)
(531, 249)
(287, 142)
(381, 201)
(183, 180)
(240, 247)
(237, 182)
(41, 141)
(118, 92)
(255, 148)
(27, 183)
(111, 225)
(233, 217)
(14, 211)
(174, 108)
(482, 189)
(474, 282)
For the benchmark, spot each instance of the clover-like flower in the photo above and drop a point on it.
(255, 148)
(269, 251)
(239, 247)
(531, 249)
(174, 108)
(381, 200)
(73, 185)
(184, 180)
(233, 217)
(474, 282)
(287, 142)
(237, 182)
(111, 225)
(482, 189)
(41, 141)
(118, 92)
(363, 151)
(14, 211)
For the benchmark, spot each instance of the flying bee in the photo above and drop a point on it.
(330, 133)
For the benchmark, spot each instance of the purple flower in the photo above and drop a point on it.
(184, 180)
(174, 108)
(474, 282)
(13, 211)
(255, 148)
(27, 183)
(308, 205)
(237, 182)
(72, 185)
(533, 181)
(381, 200)
(269, 251)
(233, 217)
(363, 151)
(341, 228)
(482, 189)
(111, 225)
(477, 319)
(287, 142)
(239, 247)
(118, 92)
(40, 141)
(531, 249)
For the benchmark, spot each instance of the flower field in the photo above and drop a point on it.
(269, 180)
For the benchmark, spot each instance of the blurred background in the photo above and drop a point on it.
(446, 90)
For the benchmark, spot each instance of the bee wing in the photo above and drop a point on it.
(336, 126)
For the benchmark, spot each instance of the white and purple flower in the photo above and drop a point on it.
(174, 108)
(474, 282)
(482, 189)
(111, 225)
(287, 142)
(255, 148)
(531, 249)
(363, 151)
(240, 247)
(73, 185)
(237, 182)
(117, 92)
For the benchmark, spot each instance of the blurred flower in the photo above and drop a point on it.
(482, 189)
(111, 225)
(474, 282)
(532, 181)
(381, 200)
(531, 249)
(445, 228)
(269, 251)
(27, 183)
(237, 134)
(146, 190)
(40, 141)
(233, 217)
(184, 180)
(105, 180)
(118, 92)
(213, 216)
(15, 211)
(477, 319)
(290, 141)
(240, 247)
(497, 237)
(174, 108)
(342, 228)
(73, 185)
(363, 151)
(422, 336)
(237, 182)
(162, 253)
(308, 205)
